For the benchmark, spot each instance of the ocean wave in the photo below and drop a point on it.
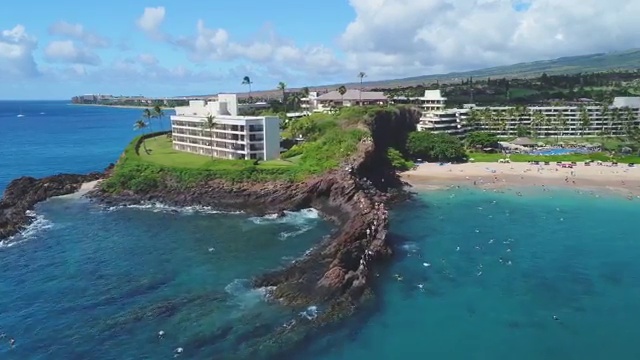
(303, 220)
(159, 207)
(245, 295)
(38, 224)
(301, 217)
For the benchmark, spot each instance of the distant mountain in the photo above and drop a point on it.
(619, 60)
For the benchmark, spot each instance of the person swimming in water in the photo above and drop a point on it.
(12, 342)
(161, 334)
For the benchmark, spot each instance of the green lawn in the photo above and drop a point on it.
(482, 157)
(161, 152)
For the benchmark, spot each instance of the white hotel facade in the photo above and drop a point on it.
(234, 136)
(546, 121)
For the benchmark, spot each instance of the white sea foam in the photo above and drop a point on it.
(38, 224)
(159, 207)
(310, 313)
(245, 295)
(304, 221)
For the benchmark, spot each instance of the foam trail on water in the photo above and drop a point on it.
(38, 224)
(245, 295)
(159, 207)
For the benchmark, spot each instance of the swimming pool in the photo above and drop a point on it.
(560, 151)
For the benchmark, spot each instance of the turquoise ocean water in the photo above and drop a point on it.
(478, 275)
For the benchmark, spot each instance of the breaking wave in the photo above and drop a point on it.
(159, 207)
(304, 220)
(38, 224)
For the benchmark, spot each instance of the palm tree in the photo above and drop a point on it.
(537, 121)
(342, 90)
(585, 121)
(158, 114)
(361, 75)
(512, 115)
(487, 119)
(561, 122)
(294, 99)
(605, 116)
(617, 118)
(209, 123)
(147, 115)
(140, 125)
(283, 87)
(247, 81)
(474, 119)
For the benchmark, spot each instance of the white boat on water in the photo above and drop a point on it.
(21, 114)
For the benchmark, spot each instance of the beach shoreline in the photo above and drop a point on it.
(621, 179)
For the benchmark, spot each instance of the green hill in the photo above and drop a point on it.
(620, 60)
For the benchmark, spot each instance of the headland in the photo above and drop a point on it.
(347, 176)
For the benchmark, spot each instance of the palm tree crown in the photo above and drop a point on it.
(247, 81)
(209, 123)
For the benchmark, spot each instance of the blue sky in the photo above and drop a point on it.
(168, 48)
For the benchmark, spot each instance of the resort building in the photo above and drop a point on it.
(584, 120)
(232, 136)
(438, 119)
(333, 99)
(309, 103)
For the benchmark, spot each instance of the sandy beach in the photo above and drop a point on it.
(620, 179)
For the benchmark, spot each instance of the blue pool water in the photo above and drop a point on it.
(561, 151)
(483, 273)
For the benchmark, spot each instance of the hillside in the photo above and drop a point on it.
(620, 60)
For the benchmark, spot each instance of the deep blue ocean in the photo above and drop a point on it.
(478, 274)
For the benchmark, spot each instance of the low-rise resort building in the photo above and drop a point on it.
(575, 120)
(231, 137)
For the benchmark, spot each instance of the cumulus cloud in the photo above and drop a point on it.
(150, 21)
(16, 53)
(267, 49)
(78, 32)
(66, 51)
(413, 37)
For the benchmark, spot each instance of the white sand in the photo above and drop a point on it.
(84, 189)
(621, 178)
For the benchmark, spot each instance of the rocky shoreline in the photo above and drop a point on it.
(22, 194)
(337, 274)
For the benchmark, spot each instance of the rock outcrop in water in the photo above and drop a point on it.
(23, 193)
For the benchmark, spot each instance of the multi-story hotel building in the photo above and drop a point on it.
(583, 120)
(438, 119)
(232, 136)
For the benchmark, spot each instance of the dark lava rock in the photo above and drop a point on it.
(23, 193)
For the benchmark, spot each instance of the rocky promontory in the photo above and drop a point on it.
(24, 193)
(337, 274)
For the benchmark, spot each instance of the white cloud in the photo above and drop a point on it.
(16, 53)
(66, 51)
(78, 32)
(414, 37)
(147, 59)
(268, 50)
(150, 21)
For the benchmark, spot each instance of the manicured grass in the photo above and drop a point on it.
(483, 157)
(161, 152)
